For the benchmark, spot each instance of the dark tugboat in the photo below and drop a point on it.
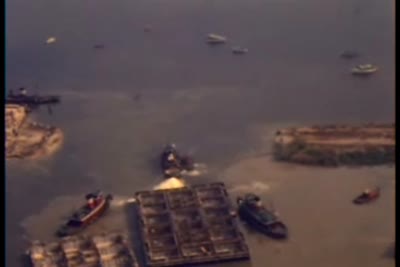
(31, 101)
(367, 196)
(256, 215)
(97, 204)
(174, 164)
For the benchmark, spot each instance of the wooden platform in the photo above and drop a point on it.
(189, 225)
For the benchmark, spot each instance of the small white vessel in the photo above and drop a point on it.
(364, 69)
(215, 39)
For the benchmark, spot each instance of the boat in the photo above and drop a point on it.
(364, 69)
(251, 210)
(174, 164)
(216, 39)
(97, 204)
(367, 196)
(239, 50)
(349, 54)
(21, 98)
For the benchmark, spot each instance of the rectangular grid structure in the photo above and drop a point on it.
(189, 225)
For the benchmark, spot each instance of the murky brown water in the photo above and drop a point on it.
(221, 108)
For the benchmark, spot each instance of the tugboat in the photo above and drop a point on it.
(174, 164)
(364, 69)
(97, 204)
(255, 214)
(367, 196)
(216, 39)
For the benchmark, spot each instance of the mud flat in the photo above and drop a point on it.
(189, 225)
(334, 145)
(109, 249)
(28, 139)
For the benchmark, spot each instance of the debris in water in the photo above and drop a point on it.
(51, 40)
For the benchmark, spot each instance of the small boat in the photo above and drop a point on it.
(97, 204)
(349, 54)
(367, 196)
(22, 98)
(173, 164)
(364, 69)
(216, 39)
(251, 210)
(237, 50)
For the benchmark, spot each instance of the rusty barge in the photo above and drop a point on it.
(111, 249)
(190, 225)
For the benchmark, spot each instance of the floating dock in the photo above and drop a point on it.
(111, 250)
(188, 226)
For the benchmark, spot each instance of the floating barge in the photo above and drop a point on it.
(334, 145)
(111, 250)
(189, 225)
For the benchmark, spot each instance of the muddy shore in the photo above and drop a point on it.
(28, 139)
(334, 145)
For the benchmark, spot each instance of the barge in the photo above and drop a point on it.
(189, 225)
(111, 249)
(335, 145)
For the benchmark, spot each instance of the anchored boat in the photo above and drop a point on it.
(216, 39)
(22, 98)
(237, 50)
(367, 196)
(364, 69)
(97, 204)
(256, 215)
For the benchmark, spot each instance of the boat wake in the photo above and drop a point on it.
(255, 186)
(199, 169)
(121, 201)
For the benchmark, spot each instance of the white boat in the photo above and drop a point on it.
(364, 69)
(215, 39)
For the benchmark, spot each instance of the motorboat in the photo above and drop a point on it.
(252, 211)
(21, 98)
(96, 205)
(367, 196)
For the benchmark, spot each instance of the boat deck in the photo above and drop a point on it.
(189, 225)
(109, 249)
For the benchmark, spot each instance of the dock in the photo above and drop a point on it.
(111, 249)
(189, 225)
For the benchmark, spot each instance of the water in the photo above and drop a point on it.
(221, 108)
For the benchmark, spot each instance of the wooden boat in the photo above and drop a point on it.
(173, 164)
(364, 69)
(87, 214)
(367, 196)
(256, 215)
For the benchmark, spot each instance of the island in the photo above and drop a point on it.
(26, 138)
(335, 145)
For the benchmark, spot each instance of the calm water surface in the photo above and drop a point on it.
(221, 108)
